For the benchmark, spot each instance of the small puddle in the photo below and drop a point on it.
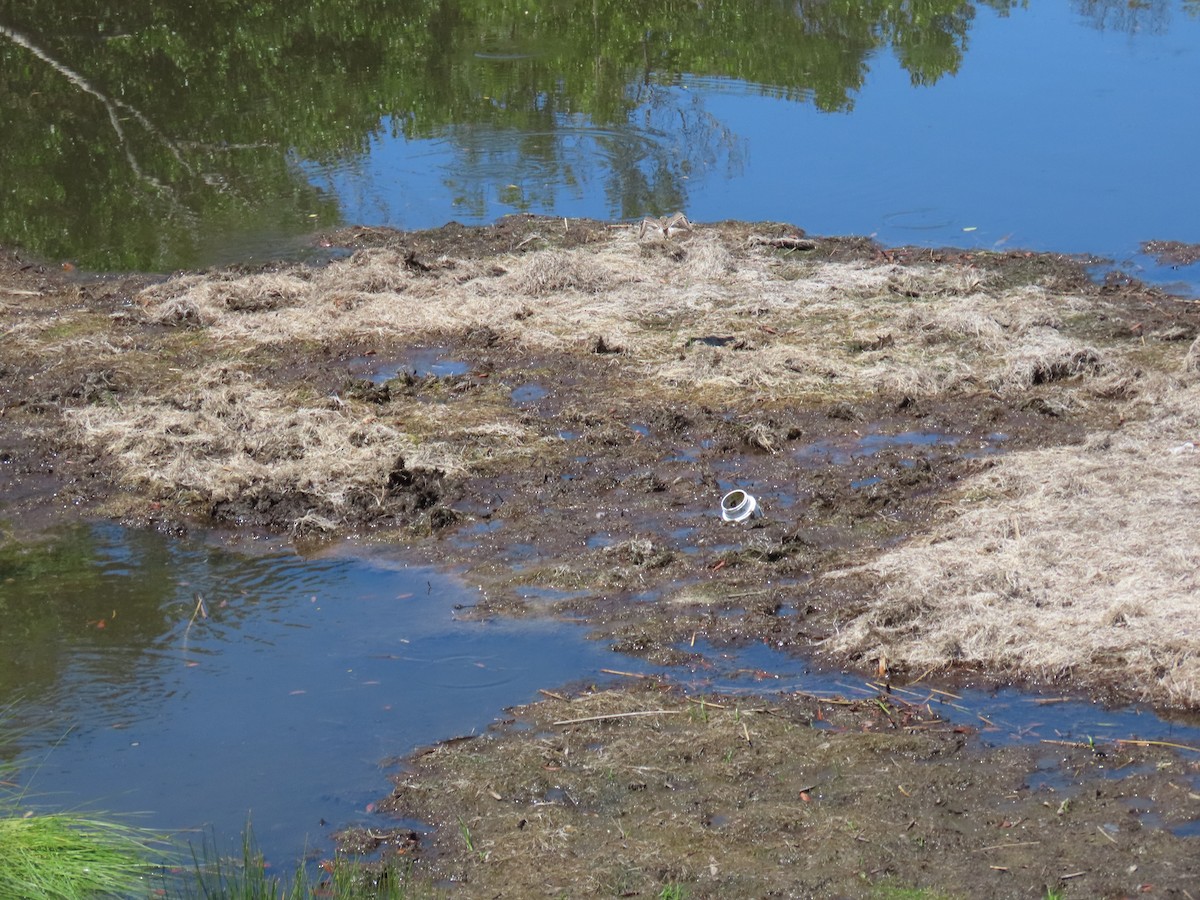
(842, 451)
(420, 363)
(196, 685)
(529, 394)
(467, 537)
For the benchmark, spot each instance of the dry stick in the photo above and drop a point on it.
(1072, 875)
(198, 610)
(1140, 743)
(1005, 846)
(707, 703)
(627, 715)
(821, 698)
(1100, 828)
(554, 696)
(626, 674)
(925, 675)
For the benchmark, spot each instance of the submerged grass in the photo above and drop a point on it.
(247, 876)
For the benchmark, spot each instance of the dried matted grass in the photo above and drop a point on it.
(815, 329)
(1079, 561)
(229, 439)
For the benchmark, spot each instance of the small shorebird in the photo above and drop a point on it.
(678, 222)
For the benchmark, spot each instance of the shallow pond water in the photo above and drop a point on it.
(200, 685)
(1057, 126)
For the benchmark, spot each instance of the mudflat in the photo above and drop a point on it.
(970, 465)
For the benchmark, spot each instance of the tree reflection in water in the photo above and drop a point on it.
(136, 136)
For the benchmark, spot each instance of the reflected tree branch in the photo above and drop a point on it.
(111, 105)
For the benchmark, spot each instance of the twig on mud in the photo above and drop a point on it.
(820, 698)
(1069, 875)
(627, 674)
(1100, 828)
(554, 696)
(708, 704)
(625, 715)
(1137, 742)
(925, 674)
(1006, 846)
(1081, 744)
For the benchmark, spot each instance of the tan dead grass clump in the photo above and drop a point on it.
(231, 440)
(552, 271)
(1070, 561)
(814, 331)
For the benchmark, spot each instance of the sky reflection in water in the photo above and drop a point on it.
(1056, 134)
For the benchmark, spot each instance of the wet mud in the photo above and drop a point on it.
(620, 793)
(555, 410)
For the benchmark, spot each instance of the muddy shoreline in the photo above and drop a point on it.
(972, 465)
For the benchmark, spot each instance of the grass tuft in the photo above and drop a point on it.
(62, 856)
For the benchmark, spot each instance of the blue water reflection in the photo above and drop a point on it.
(198, 686)
(1060, 131)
